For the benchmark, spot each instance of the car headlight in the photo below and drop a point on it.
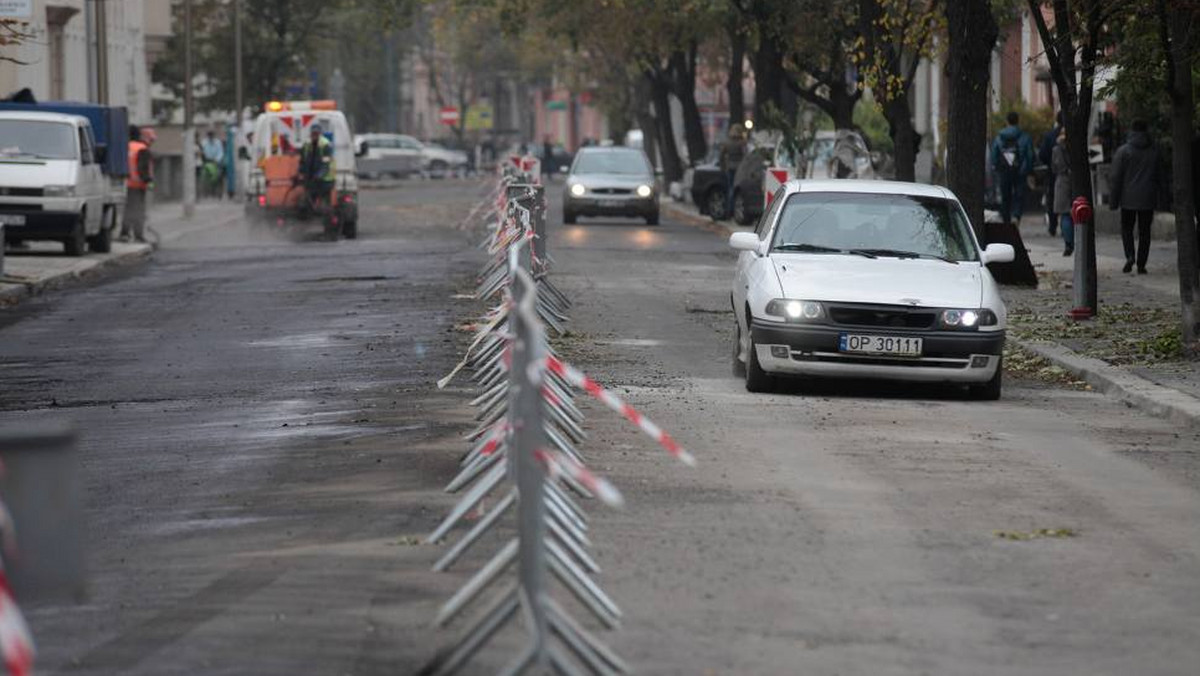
(59, 191)
(644, 191)
(796, 310)
(967, 320)
(577, 189)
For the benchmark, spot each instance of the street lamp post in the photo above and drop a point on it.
(189, 133)
(101, 53)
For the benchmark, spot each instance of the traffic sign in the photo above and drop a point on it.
(448, 115)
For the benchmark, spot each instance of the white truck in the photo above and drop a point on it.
(55, 183)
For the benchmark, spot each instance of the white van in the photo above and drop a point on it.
(52, 184)
(283, 128)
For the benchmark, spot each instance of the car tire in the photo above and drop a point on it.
(76, 243)
(740, 215)
(652, 219)
(991, 390)
(101, 242)
(714, 200)
(569, 217)
(739, 366)
(757, 380)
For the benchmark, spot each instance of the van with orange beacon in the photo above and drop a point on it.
(274, 193)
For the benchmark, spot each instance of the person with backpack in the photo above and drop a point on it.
(1133, 188)
(1012, 160)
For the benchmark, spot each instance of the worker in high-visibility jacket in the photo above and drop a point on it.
(139, 182)
(317, 167)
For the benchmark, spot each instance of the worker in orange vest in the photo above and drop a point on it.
(139, 182)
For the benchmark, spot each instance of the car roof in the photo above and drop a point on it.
(610, 149)
(63, 118)
(868, 186)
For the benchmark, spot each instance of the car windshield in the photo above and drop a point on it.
(875, 224)
(40, 140)
(629, 162)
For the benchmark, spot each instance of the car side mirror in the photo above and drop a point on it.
(999, 253)
(746, 241)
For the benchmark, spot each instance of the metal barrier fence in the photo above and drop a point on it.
(524, 450)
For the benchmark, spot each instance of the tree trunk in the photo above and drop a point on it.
(683, 77)
(768, 76)
(1179, 87)
(733, 85)
(643, 103)
(903, 136)
(671, 164)
(842, 102)
(972, 31)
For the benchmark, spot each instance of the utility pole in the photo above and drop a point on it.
(101, 54)
(189, 133)
(391, 93)
(239, 137)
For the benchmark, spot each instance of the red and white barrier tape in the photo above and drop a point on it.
(583, 382)
(16, 643)
(557, 462)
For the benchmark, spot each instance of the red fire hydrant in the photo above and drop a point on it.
(1081, 216)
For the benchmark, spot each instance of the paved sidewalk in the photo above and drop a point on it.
(1167, 388)
(43, 265)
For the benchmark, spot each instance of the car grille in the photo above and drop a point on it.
(926, 361)
(20, 207)
(21, 192)
(612, 191)
(901, 318)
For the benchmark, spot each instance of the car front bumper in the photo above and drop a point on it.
(611, 205)
(55, 222)
(812, 350)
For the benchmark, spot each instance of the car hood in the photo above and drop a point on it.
(884, 281)
(630, 181)
(30, 173)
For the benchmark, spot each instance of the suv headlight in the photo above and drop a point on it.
(966, 320)
(59, 191)
(577, 189)
(796, 310)
(644, 191)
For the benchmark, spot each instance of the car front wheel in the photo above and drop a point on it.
(757, 380)
(989, 391)
(715, 203)
(76, 242)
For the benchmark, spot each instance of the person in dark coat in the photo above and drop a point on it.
(1046, 157)
(1133, 189)
(1012, 160)
(1061, 185)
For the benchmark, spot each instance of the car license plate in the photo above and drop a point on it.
(12, 219)
(898, 346)
(610, 204)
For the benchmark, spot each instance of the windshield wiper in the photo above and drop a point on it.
(817, 248)
(897, 253)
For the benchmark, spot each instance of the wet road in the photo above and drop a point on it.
(263, 447)
(256, 422)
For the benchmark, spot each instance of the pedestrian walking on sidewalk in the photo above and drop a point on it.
(733, 151)
(1133, 189)
(1046, 157)
(1061, 208)
(139, 182)
(1012, 160)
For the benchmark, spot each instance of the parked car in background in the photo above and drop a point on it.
(867, 279)
(748, 184)
(705, 182)
(439, 161)
(610, 181)
(56, 182)
(394, 155)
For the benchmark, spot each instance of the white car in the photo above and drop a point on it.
(867, 279)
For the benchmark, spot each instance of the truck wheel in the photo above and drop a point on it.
(350, 229)
(101, 242)
(76, 243)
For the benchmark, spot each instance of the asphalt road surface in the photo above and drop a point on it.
(263, 449)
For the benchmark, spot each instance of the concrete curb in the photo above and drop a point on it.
(696, 220)
(18, 290)
(1136, 391)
